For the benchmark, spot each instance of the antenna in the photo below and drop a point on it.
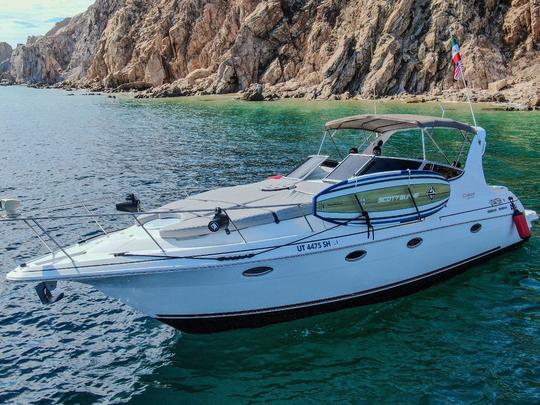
(374, 101)
(467, 92)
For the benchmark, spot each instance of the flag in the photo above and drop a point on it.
(459, 67)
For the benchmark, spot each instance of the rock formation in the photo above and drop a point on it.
(65, 52)
(294, 48)
(5, 55)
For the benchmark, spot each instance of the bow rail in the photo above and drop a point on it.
(32, 222)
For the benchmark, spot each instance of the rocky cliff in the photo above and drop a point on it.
(295, 48)
(5, 55)
(67, 51)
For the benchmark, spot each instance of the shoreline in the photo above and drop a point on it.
(447, 97)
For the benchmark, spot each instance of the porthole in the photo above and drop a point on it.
(355, 255)
(476, 228)
(257, 271)
(414, 242)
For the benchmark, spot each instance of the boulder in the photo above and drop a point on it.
(172, 90)
(498, 85)
(137, 86)
(535, 101)
(253, 93)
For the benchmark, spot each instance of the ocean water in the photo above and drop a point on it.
(472, 339)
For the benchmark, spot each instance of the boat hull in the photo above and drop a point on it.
(223, 297)
(203, 324)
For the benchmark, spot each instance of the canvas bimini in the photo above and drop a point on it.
(329, 235)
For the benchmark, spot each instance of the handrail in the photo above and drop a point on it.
(38, 236)
(53, 241)
(149, 234)
(117, 214)
(94, 219)
(93, 216)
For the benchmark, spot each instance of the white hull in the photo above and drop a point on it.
(219, 297)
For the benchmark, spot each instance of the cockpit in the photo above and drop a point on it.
(379, 129)
(319, 167)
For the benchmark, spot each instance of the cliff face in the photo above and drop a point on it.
(5, 55)
(65, 52)
(296, 48)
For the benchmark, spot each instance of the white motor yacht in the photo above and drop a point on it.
(329, 235)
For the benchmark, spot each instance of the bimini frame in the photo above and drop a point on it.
(384, 126)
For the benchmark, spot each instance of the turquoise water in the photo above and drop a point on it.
(475, 338)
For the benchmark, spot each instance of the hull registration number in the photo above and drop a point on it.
(306, 247)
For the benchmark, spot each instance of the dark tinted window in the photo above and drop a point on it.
(446, 171)
(305, 168)
(349, 167)
(389, 164)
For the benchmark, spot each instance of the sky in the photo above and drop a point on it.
(21, 18)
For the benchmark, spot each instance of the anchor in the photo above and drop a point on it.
(45, 292)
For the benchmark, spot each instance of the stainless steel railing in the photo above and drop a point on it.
(32, 222)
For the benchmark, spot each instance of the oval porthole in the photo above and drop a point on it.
(476, 228)
(355, 255)
(257, 271)
(414, 242)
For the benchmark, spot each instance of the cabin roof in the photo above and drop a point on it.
(382, 123)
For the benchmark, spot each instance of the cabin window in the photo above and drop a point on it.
(257, 271)
(414, 242)
(446, 171)
(356, 255)
(383, 164)
(476, 228)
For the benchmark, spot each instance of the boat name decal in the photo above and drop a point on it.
(397, 197)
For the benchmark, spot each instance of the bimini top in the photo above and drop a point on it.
(382, 123)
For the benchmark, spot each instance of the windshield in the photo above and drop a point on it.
(444, 145)
(305, 168)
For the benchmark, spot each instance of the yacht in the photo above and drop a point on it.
(331, 234)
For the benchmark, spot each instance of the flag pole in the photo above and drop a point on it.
(460, 71)
(468, 96)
